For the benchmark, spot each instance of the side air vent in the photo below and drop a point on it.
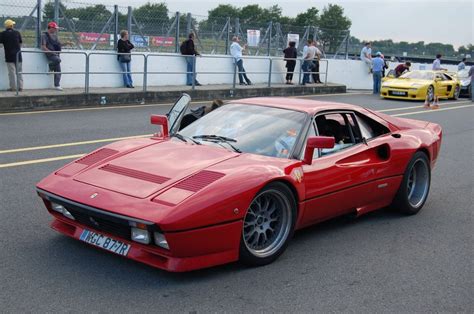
(140, 175)
(96, 156)
(199, 181)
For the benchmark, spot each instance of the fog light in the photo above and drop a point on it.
(140, 235)
(160, 240)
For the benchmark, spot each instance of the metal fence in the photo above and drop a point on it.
(95, 27)
(146, 72)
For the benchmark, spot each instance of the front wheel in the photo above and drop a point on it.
(268, 225)
(415, 186)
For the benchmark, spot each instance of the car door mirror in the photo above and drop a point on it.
(163, 122)
(315, 142)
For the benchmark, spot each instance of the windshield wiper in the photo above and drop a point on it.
(218, 139)
(183, 138)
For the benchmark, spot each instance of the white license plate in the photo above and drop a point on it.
(398, 93)
(105, 242)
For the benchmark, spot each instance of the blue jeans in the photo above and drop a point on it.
(377, 81)
(127, 77)
(306, 67)
(242, 74)
(190, 70)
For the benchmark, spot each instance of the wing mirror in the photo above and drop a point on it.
(163, 122)
(314, 142)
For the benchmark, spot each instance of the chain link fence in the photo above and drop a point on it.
(153, 28)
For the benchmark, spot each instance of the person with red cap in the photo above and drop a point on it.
(51, 45)
(11, 40)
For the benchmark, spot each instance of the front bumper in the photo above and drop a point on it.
(408, 94)
(189, 249)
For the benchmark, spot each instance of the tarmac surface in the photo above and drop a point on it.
(380, 262)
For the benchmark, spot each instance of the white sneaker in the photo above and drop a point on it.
(58, 88)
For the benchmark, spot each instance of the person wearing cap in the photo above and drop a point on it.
(11, 40)
(51, 45)
(377, 68)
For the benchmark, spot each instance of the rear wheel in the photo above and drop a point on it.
(430, 93)
(268, 225)
(415, 186)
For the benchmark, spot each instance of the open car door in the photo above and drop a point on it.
(176, 113)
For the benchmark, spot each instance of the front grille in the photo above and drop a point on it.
(93, 220)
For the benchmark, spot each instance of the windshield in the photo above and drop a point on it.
(254, 129)
(418, 75)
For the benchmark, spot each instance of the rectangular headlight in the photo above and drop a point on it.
(160, 240)
(140, 235)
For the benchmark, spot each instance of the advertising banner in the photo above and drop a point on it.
(85, 38)
(161, 41)
(139, 41)
(253, 37)
(293, 37)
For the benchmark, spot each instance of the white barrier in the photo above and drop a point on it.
(352, 73)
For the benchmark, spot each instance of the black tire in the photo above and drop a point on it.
(456, 92)
(413, 191)
(432, 97)
(276, 195)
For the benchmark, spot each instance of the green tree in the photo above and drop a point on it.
(48, 11)
(223, 11)
(308, 18)
(251, 14)
(334, 26)
(273, 13)
(91, 13)
(153, 18)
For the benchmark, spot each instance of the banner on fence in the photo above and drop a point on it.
(161, 41)
(85, 38)
(293, 37)
(140, 41)
(253, 37)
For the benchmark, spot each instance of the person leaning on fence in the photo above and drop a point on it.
(11, 40)
(52, 46)
(290, 57)
(315, 68)
(124, 47)
(366, 55)
(188, 49)
(236, 51)
(309, 52)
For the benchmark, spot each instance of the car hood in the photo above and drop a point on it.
(406, 83)
(150, 169)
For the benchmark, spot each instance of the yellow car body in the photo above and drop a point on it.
(418, 85)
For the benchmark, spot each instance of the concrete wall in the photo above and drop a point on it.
(351, 73)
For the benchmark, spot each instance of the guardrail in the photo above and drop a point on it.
(146, 72)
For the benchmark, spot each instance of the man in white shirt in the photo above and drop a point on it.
(236, 52)
(437, 63)
(366, 55)
(308, 56)
(317, 57)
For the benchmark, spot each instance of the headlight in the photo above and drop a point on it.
(140, 235)
(160, 240)
(61, 209)
(413, 89)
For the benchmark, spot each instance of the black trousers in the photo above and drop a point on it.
(290, 65)
(316, 78)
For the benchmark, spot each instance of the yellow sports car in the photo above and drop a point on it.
(417, 85)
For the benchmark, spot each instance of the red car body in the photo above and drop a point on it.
(197, 196)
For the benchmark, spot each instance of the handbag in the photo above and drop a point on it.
(125, 58)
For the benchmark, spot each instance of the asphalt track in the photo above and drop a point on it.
(381, 262)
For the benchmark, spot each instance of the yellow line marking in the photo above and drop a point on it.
(420, 106)
(37, 161)
(17, 150)
(431, 110)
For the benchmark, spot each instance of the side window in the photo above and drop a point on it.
(370, 128)
(337, 125)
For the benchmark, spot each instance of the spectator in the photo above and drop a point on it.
(366, 55)
(471, 74)
(52, 46)
(187, 49)
(402, 68)
(385, 65)
(315, 67)
(199, 113)
(236, 52)
(377, 68)
(290, 57)
(437, 63)
(309, 52)
(124, 47)
(11, 40)
(462, 64)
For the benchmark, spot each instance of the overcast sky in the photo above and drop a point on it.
(401, 20)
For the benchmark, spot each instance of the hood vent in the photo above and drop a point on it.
(140, 175)
(199, 181)
(96, 156)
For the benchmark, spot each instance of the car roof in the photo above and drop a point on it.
(305, 105)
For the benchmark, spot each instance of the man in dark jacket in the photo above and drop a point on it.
(187, 49)
(51, 45)
(11, 40)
